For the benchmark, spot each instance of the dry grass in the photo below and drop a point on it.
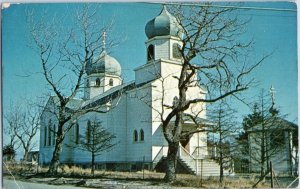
(183, 180)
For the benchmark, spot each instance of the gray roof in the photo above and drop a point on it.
(73, 103)
(103, 64)
(162, 25)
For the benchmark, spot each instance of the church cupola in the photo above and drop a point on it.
(163, 25)
(103, 73)
(164, 44)
(164, 35)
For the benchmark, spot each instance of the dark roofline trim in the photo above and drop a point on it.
(115, 94)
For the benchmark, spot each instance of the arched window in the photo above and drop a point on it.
(88, 131)
(135, 136)
(97, 82)
(176, 51)
(54, 134)
(150, 52)
(111, 82)
(77, 134)
(141, 135)
(49, 132)
(45, 136)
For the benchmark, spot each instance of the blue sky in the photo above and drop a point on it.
(272, 31)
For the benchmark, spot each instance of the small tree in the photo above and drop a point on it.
(96, 141)
(23, 123)
(9, 152)
(222, 134)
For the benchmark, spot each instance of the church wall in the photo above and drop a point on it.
(46, 148)
(116, 124)
(139, 117)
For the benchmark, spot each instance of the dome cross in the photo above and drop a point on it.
(104, 41)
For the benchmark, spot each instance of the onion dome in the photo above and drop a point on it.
(162, 25)
(103, 64)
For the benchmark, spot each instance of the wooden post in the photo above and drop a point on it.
(271, 172)
(201, 172)
(143, 167)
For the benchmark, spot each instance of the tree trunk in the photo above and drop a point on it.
(25, 155)
(171, 162)
(93, 164)
(221, 168)
(53, 168)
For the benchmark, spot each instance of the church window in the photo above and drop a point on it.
(97, 82)
(45, 136)
(49, 132)
(88, 132)
(135, 136)
(111, 82)
(176, 51)
(141, 135)
(77, 134)
(53, 132)
(150, 53)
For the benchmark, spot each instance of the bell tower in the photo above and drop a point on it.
(103, 73)
(163, 47)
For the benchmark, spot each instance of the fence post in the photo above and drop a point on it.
(271, 171)
(201, 172)
(143, 167)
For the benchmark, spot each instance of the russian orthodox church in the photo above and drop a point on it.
(134, 108)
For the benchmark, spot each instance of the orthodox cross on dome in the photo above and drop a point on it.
(273, 110)
(104, 41)
(272, 91)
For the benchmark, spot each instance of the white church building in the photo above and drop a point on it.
(134, 109)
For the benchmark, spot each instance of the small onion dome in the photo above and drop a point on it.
(103, 64)
(163, 24)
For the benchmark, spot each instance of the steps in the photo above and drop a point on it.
(195, 166)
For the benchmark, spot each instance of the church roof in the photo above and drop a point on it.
(162, 25)
(276, 123)
(103, 64)
(112, 94)
(72, 105)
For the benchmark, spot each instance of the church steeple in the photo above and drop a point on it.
(163, 46)
(103, 72)
(164, 37)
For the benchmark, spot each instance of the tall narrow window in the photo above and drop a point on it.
(49, 132)
(111, 82)
(45, 136)
(150, 53)
(141, 135)
(77, 134)
(54, 134)
(97, 82)
(135, 136)
(88, 131)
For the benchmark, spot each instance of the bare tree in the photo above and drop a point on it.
(96, 140)
(64, 50)
(23, 122)
(222, 135)
(213, 56)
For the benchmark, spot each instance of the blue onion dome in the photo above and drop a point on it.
(163, 24)
(103, 64)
